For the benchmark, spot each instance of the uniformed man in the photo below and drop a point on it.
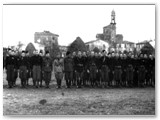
(58, 70)
(130, 71)
(112, 68)
(10, 67)
(124, 69)
(42, 75)
(47, 68)
(74, 82)
(79, 67)
(141, 71)
(16, 70)
(68, 68)
(37, 64)
(28, 67)
(23, 69)
(92, 69)
(85, 61)
(104, 69)
(135, 76)
(118, 71)
(98, 64)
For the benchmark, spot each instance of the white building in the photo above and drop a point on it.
(100, 44)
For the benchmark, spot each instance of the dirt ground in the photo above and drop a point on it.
(84, 101)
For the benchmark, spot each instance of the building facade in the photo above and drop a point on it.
(100, 44)
(45, 39)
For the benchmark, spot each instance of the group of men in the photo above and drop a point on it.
(81, 69)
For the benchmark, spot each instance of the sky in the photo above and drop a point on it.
(20, 22)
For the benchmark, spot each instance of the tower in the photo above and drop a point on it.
(113, 21)
(113, 26)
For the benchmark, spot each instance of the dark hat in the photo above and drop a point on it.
(109, 53)
(103, 51)
(40, 51)
(9, 49)
(23, 51)
(68, 52)
(47, 52)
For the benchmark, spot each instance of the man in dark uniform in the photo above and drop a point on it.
(23, 69)
(104, 69)
(42, 75)
(28, 67)
(141, 71)
(10, 66)
(79, 67)
(92, 68)
(130, 61)
(16, 70)
(148, 70)
(74, 81)
(112, 68)
(118, 70)
(37, 64)
(98, 64)
(68, 69)
(47, 68)
(85, 61)
(135, 76)
(124, 69)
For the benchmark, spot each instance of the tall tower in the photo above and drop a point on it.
(113, 26)
(113, 21)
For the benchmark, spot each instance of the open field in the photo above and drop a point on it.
(84, 101)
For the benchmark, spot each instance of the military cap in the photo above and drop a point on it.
(68, 52)
(47, 52)
(23, 51)
(103, 51)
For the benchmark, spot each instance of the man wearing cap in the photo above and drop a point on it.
(47, 68)
(58, 69)
(28, 67)
(104, 69)
(74, 81)
(68, 69)
(79, 67)
(118, 70)
(37, 64)
(10, 66)
(92, 69)
(85, 75)
(23, 69)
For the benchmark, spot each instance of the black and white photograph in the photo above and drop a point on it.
(79, 59)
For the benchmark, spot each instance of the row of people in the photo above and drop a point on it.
(82, 69)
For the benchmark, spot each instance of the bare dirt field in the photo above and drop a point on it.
(84, 101)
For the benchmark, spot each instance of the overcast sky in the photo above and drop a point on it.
(20, 22)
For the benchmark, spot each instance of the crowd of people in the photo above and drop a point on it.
(81, 69)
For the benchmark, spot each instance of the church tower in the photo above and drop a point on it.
(113, 26)
(113, 21)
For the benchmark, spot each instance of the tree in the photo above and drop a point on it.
(54, 50)
(147, 49)
(77, 45)
(96, 50)
(30, 48)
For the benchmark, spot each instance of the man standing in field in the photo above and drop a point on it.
(10, 67)
(37, 63)
(47, 69)
(68, 69)
(23, 69)
(58, 70)
(79, 67)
